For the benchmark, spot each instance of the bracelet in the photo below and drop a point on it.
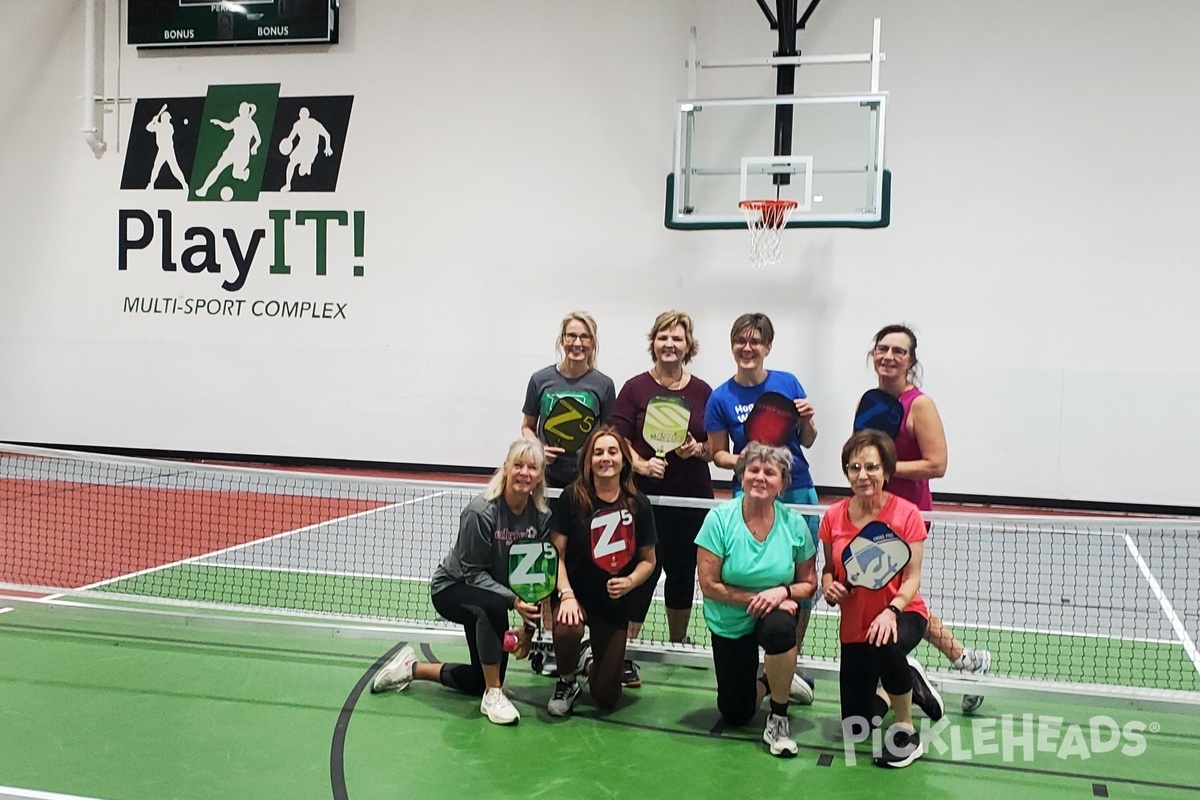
(894, 610)
(563, 594)
(787, 587)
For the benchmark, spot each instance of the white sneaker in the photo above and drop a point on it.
(979, 661)
(801, 693)
(498, 708)
(397, 674)
(778, 734)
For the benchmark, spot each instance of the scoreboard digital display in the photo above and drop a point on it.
(185, 23)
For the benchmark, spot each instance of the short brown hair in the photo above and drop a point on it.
(759, 323)
(668, 320)
(870, 437)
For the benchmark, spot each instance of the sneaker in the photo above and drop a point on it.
(924, 694)
(397, 674)
(778, 734)
(901, 750)
(979, 661)
(563, 699)
(498, 708)
(629, 676)
(550, 667)
(801, 692)
(585, 662)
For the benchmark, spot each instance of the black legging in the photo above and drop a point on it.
(736, 664)
(866, 666)
(608, 655)
(676, 556)
(484, 617)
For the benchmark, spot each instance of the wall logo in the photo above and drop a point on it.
(239, 144)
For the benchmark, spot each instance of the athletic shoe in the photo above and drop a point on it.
(397, 674)
(801, 692)
(903, 749)
(563, 699)
(924, 694)
(778, 734)
(498, 708)
(629, 676)
(585, 662)
(550, 666)
(978, 661)
(541, 657)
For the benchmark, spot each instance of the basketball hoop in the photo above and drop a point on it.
(766, 220)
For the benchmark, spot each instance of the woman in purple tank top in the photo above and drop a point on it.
(920, 456)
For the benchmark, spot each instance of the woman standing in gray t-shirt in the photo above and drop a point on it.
(590, 394)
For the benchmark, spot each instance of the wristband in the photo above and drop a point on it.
(894, 610)
(787, 587)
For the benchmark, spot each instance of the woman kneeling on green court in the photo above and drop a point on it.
(874, 542)
(604, 532)
(755, 561)
(509, 524)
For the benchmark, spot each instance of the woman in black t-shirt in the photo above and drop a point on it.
(603, 528)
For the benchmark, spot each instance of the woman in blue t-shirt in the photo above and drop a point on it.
(756, 561)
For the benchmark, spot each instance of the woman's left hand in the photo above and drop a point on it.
(883, 629)
(619, 587)
(766, 601)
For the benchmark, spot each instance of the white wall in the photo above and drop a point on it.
(510, 161)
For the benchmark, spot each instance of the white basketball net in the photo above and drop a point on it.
(766, 220)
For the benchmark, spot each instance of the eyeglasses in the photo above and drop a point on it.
(577, 337)
(897, 350)
(854, 469)
(742, 341)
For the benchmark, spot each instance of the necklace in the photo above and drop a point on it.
(660, 380)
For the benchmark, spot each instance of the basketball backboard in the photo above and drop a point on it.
(723, 154)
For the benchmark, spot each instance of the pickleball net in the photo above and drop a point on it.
(1085, 605)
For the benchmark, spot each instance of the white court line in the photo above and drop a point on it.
(306, 528)
(33, 794)
(1189, 646)
(327, 572)
(5, 610)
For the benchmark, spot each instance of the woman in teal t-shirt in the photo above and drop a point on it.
(755, 561)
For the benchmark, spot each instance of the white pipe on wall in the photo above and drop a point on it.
(91, 131)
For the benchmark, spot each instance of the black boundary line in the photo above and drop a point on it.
(452, 469)
(337, 748)
(1096, 779)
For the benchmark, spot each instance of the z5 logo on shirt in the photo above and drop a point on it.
(614, 539)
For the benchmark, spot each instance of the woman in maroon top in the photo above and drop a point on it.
(920, 456)
(681, 473)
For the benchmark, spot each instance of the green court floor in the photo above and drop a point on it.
(1027, 654)
(121, 706)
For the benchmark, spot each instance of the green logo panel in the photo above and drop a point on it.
(532, 570)
(235, 133)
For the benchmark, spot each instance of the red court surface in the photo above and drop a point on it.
(68, 535)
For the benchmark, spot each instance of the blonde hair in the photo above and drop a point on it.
(522, 448)
(670, 319)
(590, 324)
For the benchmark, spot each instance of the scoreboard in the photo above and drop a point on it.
(185, 23)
